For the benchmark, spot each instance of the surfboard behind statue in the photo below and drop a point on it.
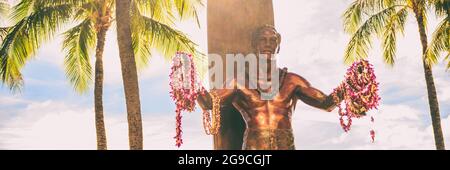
(231, 24)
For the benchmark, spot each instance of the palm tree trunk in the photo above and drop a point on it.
(98, 91)
(129, 74)
(431, 89)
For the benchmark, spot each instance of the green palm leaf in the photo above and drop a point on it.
(447, 58)
(4, 8)
(26, 36)
(188, 9)
(161, 11)
(395, 24)
(361, 9)
(442, 7)
(3, 33)
(361, 40)
(150, 34)
(440, 42)
(78, 41)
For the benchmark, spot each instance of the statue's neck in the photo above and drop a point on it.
(267, 68)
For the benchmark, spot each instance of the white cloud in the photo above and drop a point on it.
(11, 100)
(48, 125)
(56, 125)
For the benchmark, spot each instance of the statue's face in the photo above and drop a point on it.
(267, 42)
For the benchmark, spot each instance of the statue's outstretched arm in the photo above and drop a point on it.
(225, 96)
(314, 97)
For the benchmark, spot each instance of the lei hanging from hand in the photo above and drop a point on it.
(185, 87)
(359, 92)
(212, 126)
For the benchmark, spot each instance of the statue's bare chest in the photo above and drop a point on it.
(254, 99)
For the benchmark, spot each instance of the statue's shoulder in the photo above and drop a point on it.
(296, 78)
(292, 75)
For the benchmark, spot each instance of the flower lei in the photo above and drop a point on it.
(359, 92)
(183, 92)
(212, 128)
(185, 87)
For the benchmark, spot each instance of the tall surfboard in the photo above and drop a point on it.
(231, 24)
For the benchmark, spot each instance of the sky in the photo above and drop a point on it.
(48, 114)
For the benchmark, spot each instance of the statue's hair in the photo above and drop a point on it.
(260, 30)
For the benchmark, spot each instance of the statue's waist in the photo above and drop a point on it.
(269, 139)
(258, 132)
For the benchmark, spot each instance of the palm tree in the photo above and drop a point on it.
(129, 74)
(386, 18)
(134, 29)
(38, 21)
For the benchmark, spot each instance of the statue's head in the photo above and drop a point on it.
(266, 40)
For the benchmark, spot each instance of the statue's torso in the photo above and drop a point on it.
(266, 114)
(268, 121)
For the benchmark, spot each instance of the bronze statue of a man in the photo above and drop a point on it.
(268, 122)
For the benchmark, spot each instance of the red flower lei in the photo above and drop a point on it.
(360, 94)
(184, 88)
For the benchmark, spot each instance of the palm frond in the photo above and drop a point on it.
(26, 36)
(26, 7)
(4, 8)
(150, 34)
(86, 11)
(352, 17)
(361, 40)
(389, 39)
(447, 58)
(440, 42)
(166, 11)
(442, 7)
(187, 9)
(22, 9)
(78, 42)
(161, 11)
(3, 33)
(10, 73)
(360, 10)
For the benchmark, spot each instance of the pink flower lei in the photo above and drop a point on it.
(360, 94)
(184, 88)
